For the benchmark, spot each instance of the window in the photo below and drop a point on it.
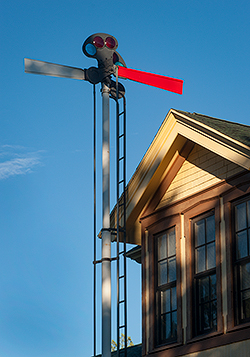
(242, 261)
(205, 297)
(166, 286)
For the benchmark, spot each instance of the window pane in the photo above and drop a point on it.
(166, 326)
(241, 241)
(240, 215)
(162, 247)
(213, 286)
(211, 255)
(246, 304)
(210, 229)
(204, 317)
(200, 259)
(162, 272)
(167, 311)
(248, 211)
(204, 289)
(174, 299)
(248, 241)
(214, 313)
(200, 232)
(174, 324)
(172, 269)
(171, 243)
(165, 303)
(245, 276)
(163, 327)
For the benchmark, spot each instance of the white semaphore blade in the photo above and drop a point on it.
(53, 69)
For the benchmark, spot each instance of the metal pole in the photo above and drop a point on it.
(106, 235)
(94, 223)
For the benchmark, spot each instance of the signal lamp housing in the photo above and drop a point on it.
(102, 47)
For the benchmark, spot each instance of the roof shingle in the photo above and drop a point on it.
(239, 132)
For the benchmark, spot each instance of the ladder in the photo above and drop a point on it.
(117, 92)
(121, 225)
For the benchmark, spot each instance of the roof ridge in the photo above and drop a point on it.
(210, 117)
(236, 131)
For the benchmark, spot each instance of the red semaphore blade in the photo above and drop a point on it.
(155, 80)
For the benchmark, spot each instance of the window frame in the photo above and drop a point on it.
(219, 198)
(161, 288)
(202, 208)
(197, 276)
(239, 262)
(154, 227)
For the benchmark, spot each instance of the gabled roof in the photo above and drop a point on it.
(237, 131)
(175, 137)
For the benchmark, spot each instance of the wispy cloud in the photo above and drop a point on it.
(17, 160)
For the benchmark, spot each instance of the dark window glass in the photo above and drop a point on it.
(205, 275)
(242, 261)
(166, 287)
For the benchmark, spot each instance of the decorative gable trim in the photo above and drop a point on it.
(153, 174)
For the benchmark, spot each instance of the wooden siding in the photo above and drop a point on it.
(234, 349)
(218, 198)
(201, 170)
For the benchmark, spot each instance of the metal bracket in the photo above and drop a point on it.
(104, 260)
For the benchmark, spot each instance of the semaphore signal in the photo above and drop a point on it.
(102, 47)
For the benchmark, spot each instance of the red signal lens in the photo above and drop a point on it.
(110, 42)
(98, 42)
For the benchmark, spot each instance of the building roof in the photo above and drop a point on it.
(236, 131)
(179, 129)
(135, 254)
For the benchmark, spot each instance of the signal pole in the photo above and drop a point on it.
(106, 234)
(103, 47)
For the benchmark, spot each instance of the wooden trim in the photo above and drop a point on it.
(143, 297)
(167, 180)
(229, 253)
(225, 188)
(183, 280)
(223, 257)
(153, 231)
(197, 345)
(152, 312)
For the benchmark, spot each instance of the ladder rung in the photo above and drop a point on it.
(121, 207)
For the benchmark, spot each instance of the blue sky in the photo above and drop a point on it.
(46, 146)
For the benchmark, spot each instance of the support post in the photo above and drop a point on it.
(106, 234)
